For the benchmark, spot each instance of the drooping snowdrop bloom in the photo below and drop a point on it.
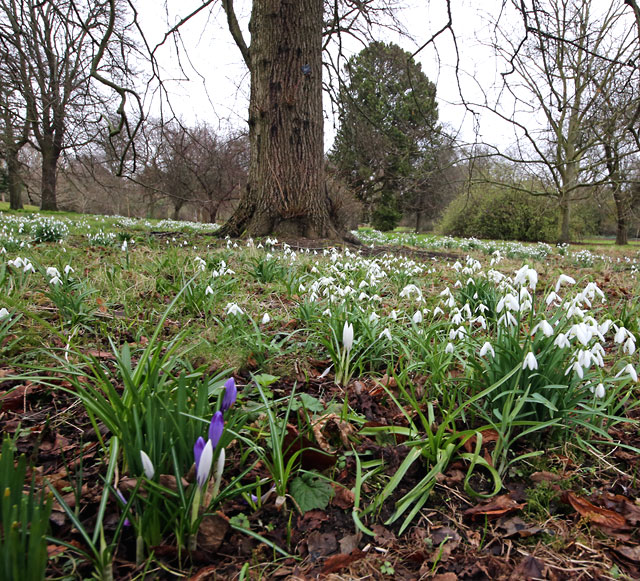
(147, 465)
(417, 317)
(562, 279)
(553, 299)
(544, 327)
(449, 348)
(530, 361)
(373, 317)
(68, 269)
(347, 336)
(4, 314)
(233, 309)
(562, 341)
(577, 368)
(600, 391)
(266, 319)
(208, 290)
(385, 333)
(630, 370)
(487, 348)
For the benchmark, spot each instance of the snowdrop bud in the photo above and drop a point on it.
(147, 465)
(347, 336)
(4, 314)
(600, 391)
(417, 317)
(265, 319)
(449, 348)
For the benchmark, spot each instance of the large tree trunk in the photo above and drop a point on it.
(285, 194)
(14, 181)
(565, 215)
(50, 157)
(622, 209)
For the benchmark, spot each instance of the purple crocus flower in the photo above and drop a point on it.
(123, 500)
(197, 449)
(230, 394)
(215, 429)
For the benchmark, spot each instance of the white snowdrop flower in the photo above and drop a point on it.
(621, 335)
(562, 341)
(68, 269)
(56, 280)
(52, 272)
(265, 319)
(600, 391)
(629, 346)
(525, 276)
(543, 326)
(385, 333)
(592, 290)
(582, 332)
(482, 308)
(446, 292)
(458, 284)
(450, 303)
(373, 317)
(630, 370)
(597, 354)
(410, 289)
(603, 328)
(124, 246)
(200, 264)
(562, 279)
(326, 313)
(584, 358)
(4, 314)
(208, 290)
(575, 366)
(457, 266)
(530, 362)
(553, 298)
(363, 296)
(481, 321)
(457, 318)
(449, 348)
(417, 317)
(233, 309)
(487, 348)
(438, 311)
(507, 319)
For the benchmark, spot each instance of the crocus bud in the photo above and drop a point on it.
(147, 465)
(215, 429)
(230, 394)
(203, 464)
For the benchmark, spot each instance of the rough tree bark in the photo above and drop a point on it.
(15, 181)
(286, 193)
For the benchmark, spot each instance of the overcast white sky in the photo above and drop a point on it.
(215, 88)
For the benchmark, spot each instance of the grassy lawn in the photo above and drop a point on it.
(174, 405)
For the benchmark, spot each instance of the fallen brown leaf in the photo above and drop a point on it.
(598, 516)
(336, 562)
(498, 506)
(545, 476)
